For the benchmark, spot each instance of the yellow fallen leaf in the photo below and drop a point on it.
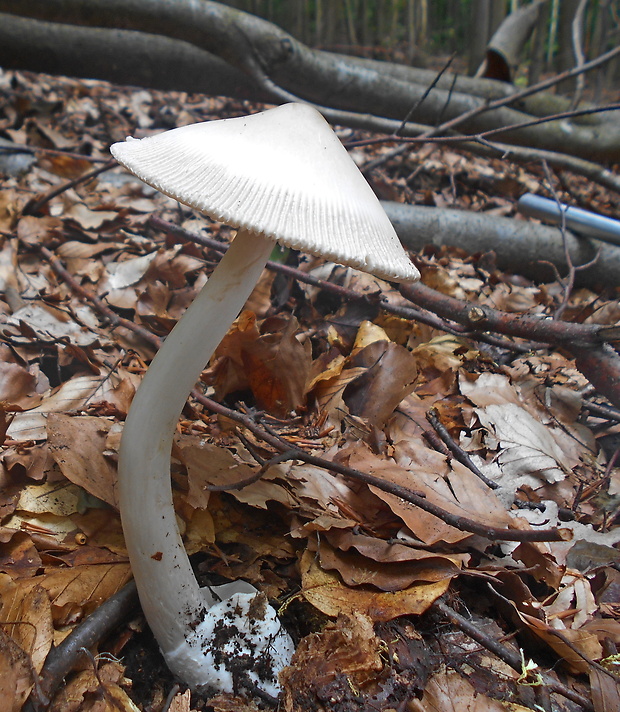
(325, 591)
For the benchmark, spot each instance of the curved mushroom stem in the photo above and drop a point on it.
(170, 596)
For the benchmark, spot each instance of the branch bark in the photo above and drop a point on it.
(284, 68)
(519, 245)
(598, 361)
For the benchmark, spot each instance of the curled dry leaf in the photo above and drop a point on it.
(325, 591)
(267, 359)
(388, 377)
(367, 560)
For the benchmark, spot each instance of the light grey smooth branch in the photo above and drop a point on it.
(520, 246)
(580, 221)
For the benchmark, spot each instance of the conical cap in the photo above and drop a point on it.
(283, 173)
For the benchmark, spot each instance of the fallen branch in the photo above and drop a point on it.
(63, 657)
(598, 361)
(519, 245)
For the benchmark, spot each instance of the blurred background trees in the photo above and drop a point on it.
(412, 30)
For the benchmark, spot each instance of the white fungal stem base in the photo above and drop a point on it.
(171, 599)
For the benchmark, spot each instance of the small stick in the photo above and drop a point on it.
(33, 208)
(509, 656)
(463, 457)
(62, 658)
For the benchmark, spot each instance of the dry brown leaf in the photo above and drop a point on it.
(18, 556)
(77, 444)
(90, 692)
(605, 691)
(358, 570)
(27, 617)
(17, 384)
(388, 377)
(47, 323)
(87, 218)
(448, 691)
(325, 591)
(443, 353)
(76, 592)
(35, 231)
(16, 674)
(392, 552)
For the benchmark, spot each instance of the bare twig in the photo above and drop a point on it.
(458, 453)
(33, 207)
(482, 136)
(510, 657)
(429, 89)
(63, 657)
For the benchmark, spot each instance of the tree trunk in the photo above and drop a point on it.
(504, 48)
(480, 32)
(566, 57)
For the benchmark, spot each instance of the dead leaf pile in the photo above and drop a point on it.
(356, 567)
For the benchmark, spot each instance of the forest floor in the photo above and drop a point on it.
(392, 607)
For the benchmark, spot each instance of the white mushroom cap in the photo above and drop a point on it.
(282, 173)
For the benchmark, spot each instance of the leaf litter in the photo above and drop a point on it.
(360, 573)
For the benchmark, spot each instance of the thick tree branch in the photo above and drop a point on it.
(519, 245)
(598, 361)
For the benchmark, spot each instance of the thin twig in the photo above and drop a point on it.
(482, 136)
(510, 657)
(34, 207)
(458, 453)
(426, 92)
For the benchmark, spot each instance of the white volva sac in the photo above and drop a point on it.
(281, 175)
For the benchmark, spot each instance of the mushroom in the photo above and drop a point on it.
(280, 175)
